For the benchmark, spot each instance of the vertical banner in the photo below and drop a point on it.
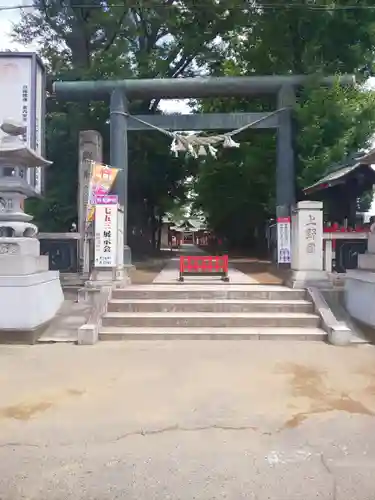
(283, 240)
(102, 179)
(106, 210)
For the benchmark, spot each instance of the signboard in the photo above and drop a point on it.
(106, 230)
(22, 99)
(283, 240)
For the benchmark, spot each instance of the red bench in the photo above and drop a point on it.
(206, 265)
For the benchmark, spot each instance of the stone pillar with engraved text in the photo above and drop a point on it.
(307, 245)
(90, 150)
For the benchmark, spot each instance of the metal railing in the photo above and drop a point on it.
(62, 250)
(341, 250)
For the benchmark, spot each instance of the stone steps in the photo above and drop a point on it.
(128, 333)
(209, 292)
(219, 305)
(213, 319)
(181, 311)
(366, 262)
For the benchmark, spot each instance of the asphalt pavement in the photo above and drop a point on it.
(187, 420)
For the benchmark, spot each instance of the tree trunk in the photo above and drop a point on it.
(159, 230)
(153, 226)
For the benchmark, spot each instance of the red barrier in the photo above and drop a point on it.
(207, 265)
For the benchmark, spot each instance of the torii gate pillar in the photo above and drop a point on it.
(119, 159)
(285, 157)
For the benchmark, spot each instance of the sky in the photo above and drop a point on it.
(8, 17)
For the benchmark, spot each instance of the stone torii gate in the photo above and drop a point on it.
(121, 91)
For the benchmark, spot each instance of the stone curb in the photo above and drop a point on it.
(88, 334)
(339, 333)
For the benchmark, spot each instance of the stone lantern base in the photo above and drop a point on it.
(30, 294)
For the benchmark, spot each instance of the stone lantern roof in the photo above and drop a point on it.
(14, 153)
(13, 150)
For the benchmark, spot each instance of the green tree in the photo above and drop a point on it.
(332, 124)
(283, 38)
(365, 201)
(327, 36)
(233, 190)
(90, 39)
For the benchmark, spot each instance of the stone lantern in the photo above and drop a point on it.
(30, 294)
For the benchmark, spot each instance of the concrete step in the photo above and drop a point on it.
(209, 292)
(129, 333)
(213, 320)
(366, 262)
(219, 305)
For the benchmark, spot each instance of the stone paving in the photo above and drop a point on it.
(64, 327)
(170, 273)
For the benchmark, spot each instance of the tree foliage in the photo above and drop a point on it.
(89, 39)
(234, 190)
(305, 37)
(365, 201)
(330, 123)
